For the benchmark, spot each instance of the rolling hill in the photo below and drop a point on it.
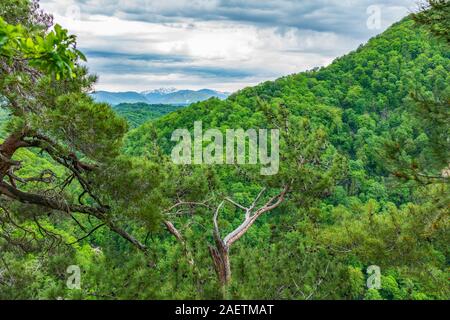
(138, 113)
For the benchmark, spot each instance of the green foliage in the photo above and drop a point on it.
(139, 113)
(54, 53)
(88, 127)
(434, 16)
(349, 131)
(362, 215)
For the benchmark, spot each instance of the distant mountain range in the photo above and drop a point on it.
(169, 96)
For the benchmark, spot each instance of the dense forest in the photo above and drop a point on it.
(137, 114)
(363, 177)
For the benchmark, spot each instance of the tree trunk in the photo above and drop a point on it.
(221, 259)
(7, 150)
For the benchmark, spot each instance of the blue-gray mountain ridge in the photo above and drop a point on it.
(169, 96)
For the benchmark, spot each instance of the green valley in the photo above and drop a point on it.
(138, 113)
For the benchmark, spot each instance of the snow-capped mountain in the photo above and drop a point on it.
(161, 91)
(170, 96)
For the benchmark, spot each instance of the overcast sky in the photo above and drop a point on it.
(225, 45)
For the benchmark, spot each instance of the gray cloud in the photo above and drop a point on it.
(222, 44)
(125, 56)
(113, 66)
(341, 16)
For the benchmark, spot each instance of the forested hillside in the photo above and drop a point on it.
(139, 113)
(362, 182)
(363, 102)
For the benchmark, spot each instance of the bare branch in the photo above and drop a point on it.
(250, 219)
(257, 199)
(46, 176)
(186, 203)
(171, 228)
(237, 204)
(88, 235)
(98, 212)
(216, 223)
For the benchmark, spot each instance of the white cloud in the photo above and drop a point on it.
(225, 45)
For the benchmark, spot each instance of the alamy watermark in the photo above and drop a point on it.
(235, 147)
(74, 280)
(73, 12)
(374, 20)
(374, 279)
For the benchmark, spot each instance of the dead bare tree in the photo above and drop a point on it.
(220, 253)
